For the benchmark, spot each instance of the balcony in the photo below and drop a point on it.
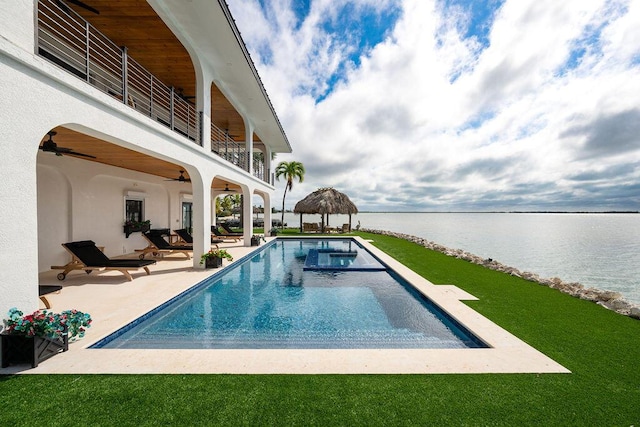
(68, 40)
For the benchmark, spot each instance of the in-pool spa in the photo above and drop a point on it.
(298, 293)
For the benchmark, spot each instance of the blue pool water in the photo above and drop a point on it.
(269, 300)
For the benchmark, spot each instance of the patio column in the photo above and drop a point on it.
(247, 214)
(267, 213)
(201, 187)
(19, 219)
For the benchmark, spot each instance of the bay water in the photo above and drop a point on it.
(597, 250)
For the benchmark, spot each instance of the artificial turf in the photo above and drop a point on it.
(601, 348)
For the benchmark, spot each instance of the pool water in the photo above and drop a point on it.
(269, 300)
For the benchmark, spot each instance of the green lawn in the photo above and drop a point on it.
(601, 348)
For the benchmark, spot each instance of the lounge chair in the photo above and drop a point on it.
(88, 257)
(187, 239)
(159, 246)
(224, 237)
(228, 231)
(184, 236)
(44, 290)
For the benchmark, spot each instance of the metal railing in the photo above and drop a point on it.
(69, 41)
(226, 147)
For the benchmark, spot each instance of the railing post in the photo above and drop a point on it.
(226, 145)
(200, 128)
(151, 95)
(171, 108)
(125, 75)
(87, 53)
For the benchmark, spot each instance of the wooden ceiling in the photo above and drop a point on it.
(121, 157)
(134, 24)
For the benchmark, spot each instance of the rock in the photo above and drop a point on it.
(635, 312)
(609, 295)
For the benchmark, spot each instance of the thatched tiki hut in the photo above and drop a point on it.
(326, 201)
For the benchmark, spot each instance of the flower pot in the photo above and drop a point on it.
(18, 348)
(128, 229)
(255, 240)
(213, 262)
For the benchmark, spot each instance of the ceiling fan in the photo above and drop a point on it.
(226, 188)
(181, 178)
(77, 3)
(51, 147)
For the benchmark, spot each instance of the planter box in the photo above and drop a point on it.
(128, 229)
(213, 262)
(17, 349)
(255, 240)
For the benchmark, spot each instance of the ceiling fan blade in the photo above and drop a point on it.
(73, 153)
(181, 178)
(84, 6)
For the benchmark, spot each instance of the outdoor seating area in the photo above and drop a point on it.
(86, 256)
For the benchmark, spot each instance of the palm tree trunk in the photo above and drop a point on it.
(283, 197)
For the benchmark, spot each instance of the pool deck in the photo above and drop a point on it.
(113, 302)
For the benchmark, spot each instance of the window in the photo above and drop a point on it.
(134, 210)
(187, 216)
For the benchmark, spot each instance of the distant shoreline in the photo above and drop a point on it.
(515, 212)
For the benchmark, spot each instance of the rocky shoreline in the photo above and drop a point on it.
(608, 299)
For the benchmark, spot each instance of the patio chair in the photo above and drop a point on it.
(224, 237)
(159, 246)
(187, 239)
(184, 236)
(88, 257)
(228, 231)
(44, 290)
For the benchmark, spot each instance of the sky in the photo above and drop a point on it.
(455, 105)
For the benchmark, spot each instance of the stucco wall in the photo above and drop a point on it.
(97, 193)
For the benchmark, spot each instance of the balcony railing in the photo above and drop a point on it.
(69, 41)
(227, 148)
(72, 43)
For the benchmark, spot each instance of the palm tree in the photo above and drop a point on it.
(290, 171)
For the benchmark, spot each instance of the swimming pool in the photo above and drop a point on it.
(268, 300)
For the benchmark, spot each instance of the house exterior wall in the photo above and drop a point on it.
(47, 200)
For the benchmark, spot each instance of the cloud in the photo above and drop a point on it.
(609, 135)
(453, 106)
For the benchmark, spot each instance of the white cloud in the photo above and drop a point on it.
(436, 121)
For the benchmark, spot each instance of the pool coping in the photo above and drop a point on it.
(507, 353)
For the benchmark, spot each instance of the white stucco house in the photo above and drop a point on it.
(138, 93)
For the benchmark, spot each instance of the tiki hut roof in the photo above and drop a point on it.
(326, 201)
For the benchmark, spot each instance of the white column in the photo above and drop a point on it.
(267, 164)
(201, 187)
(248, 137)
(247, 214)
(267, 213)
(19, 216)
(203, 103)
